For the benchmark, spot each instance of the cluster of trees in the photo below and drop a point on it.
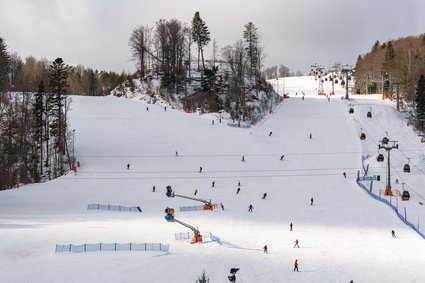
(34, 136)
(165, 51)
(280, 71)
(26, 74)
(397, 61)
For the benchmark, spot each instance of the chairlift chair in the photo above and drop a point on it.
(406, 168)
(405, 195)
(363, 136)
(351, 111)
(369, 114)
(380, 157)
(385, 140)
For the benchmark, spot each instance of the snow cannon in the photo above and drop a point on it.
(169, 191)
(170, 214)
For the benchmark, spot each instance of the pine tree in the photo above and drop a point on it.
(420, 98)
(201, 36)
(203, 278)
(59, 73)
(388, 64)
(38, 111)
(4, 66)
(92, 82)
(375, 46)
(251, 39)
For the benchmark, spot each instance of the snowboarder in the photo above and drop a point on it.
(265, 249)
(200, 169)
(270, 134)
(282, 157)
(238, 190)
(196, 191)
(243, 158)
(264, 196)
(345, 175)
(311, 201)
(250, 207)
(290, 227)
(213, 184)
(311, 136)
(393, 234)
(153, 188)
(296, 265)
(296, 244)
(128, 166)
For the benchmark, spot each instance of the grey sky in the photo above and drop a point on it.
(295, 32)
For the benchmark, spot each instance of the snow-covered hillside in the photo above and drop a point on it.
(345, 235)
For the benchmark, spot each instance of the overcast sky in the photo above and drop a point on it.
(296, 33)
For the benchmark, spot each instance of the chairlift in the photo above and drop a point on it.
(369, 114)
(380, 157)
(405, 195)
(363, 136)
(406, 168)
(385, 140)
(351, 111)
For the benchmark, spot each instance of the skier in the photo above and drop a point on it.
(270, 134)
(165, 108)
(296, 265)
(265, 249)
(243, 158)
(213, 184)
(250, 207)
(396, 181)
(345, 175)
(212, 122)
(232, 278)
(296, 244)
(153, 188)
(238, 190)
(290, 227)
(311, 136)
(393, 234)
(222, 206)
(296, 93)
(128, 166)
(177, 153)
(311, 201)
(282, 157)
(196, 191)
(200, 169)
(239, 183)
(303, 97)
(147, 108)
(264, 196)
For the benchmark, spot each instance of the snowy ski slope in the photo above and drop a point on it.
(345, 235)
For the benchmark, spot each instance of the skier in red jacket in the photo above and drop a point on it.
(296, 265)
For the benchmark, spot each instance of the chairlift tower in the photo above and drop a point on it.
(385, 144)
(347, 70)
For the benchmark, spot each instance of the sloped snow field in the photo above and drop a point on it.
(345, 235)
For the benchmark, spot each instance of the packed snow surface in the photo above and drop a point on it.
(345, 235)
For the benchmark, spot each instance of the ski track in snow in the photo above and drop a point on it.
(345, 235)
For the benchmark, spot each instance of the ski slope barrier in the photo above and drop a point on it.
(113, 207)
(394, 208)
(70, 248)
